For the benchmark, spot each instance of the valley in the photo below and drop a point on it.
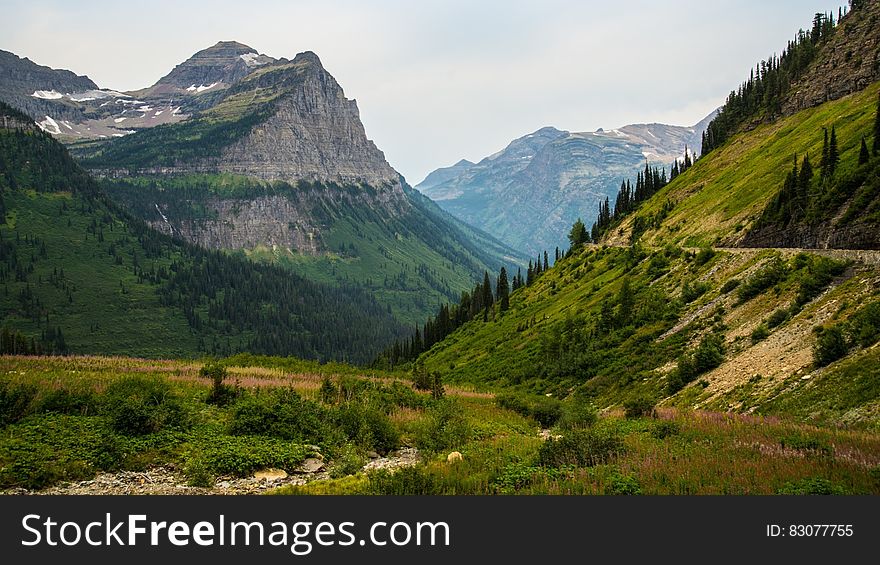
(219, 284)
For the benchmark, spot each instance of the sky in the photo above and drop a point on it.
(438, 81)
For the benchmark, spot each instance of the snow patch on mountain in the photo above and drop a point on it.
(250, 59)
(202, 88)
(47, 94)
(50, 126)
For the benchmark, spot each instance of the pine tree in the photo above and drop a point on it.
(578, 234)
(803, 184)
(823, 164)
(877, 129)
(546, 262)
(833, 155)
(502, 290)
(487, 291)
(864, 155)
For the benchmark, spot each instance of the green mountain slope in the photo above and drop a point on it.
(279, 169)
(72, 261)
(725, 192)
(722, 330)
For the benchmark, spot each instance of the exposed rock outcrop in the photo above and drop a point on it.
(848, 63)
(822, 236)
(295, 221)
(314, 134)
(217, 67)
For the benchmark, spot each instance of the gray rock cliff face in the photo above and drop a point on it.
(270, 221)
(294, 221)
(825, 236)
(314, 134)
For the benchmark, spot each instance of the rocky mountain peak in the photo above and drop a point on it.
(219, 66)
(308, 57)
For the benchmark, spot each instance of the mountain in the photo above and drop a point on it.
(444, 174)
(531, 191)
(655, 315)
(75, 110)
(213, 69)
(80, 275)
(37, 90)
(280, 169)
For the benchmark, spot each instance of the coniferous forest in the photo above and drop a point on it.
(229, 304)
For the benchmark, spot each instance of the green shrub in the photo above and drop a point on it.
(778, 317)
(140, 405)
(74, 402)
(760, 333)
(513, 402)
(811, 486)
(657, 266)
(704, 256)
(347, 461)
(221, 394)
(730, 285)
(328, 393)
(580, 448)
(577, 413)
(15, 401)
(865, 325)
(280, 413)
(765, 278)
(806, 444)
(241, 456)
(545, 410)
(422, 379)
(197, 473)
(43, 449)
(437, 390)
(663, 429)
(513, 477)
(622, 485)
(692, 291)
(444, 427)
(708, 355)
(830, 346)
(638, 406)
(367, 426)
(820, 272)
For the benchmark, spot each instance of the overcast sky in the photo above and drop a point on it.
(440, 81)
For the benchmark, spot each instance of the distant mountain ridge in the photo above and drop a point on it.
(529, 193)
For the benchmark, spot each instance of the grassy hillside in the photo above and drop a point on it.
(676, 327)
(724, 193)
